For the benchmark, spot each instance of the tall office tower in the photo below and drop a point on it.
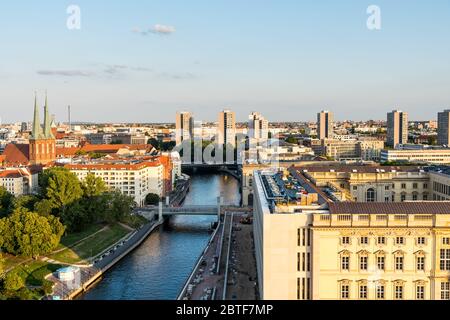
(226, 132)
(397, 128)
(444, 128)
(325, 125)
(258, 128)
(184, 127)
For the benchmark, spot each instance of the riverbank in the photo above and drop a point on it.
(159, 268)
(90, 275)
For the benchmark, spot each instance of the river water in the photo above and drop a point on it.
(159, 268)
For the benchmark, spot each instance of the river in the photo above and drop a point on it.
(158, 269)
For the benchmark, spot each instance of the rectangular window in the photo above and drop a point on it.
(345, 291)
(381, 240)
(304, 262)
(298, 261)
(299, 284)
(345, 240)
(345, 263)
(304, 238)
(380, 291)
(363, 263)
(445, 260)
(446, 241)
(309, 237)
(403, 198)
(308, 263)
(364, 240)
(399, 263)
(421, 263)
(403, 185)
(420, 292)
(380, 262)
(308, 289)
(415, 186)
(445, 290)
(398, 292)
(299, 237)
(399, 241)
(363, 291)
(303, 288)
(421, 241)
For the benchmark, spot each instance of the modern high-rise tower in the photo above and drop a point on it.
(226, 132)
(444, 128)
(184, 127)
(397, 128)
(258, 127)
(325, 125)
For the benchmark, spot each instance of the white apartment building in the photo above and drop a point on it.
(226, 131)
(19, 181)
(258, 128)
(184, 127)
(135, 178)
(428, 156)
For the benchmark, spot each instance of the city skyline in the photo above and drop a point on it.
(283, 61)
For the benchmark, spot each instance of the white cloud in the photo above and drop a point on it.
(65, 73)
(156, 29)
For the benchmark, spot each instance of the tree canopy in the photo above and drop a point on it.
(6, 202)
(28, 234)
(60, 187)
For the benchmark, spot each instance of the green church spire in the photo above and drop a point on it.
(47, 121)
(37, 129)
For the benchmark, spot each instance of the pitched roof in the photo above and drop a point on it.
(359, 168)
(441, 207)
(17, 154)
(102, 148)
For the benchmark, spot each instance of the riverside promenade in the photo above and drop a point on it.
(89, 275)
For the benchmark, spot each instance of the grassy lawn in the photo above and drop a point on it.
(92, 246)
(12, 261)
(73, 238)
(34, 273)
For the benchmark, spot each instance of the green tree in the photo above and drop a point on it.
(93, 186)
(152, 199)
(2, 263)
(26, 201)
(6, 202)
(75, 217)
(13, 282)
(28, 234)
(43, 207)
(61, 187)
(120, 206)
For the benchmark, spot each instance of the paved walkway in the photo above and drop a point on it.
(63, 290)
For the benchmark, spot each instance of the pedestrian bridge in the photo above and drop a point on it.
(167, 211)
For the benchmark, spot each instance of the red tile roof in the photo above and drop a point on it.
(17, 154)
(102, 148)
(441, 207)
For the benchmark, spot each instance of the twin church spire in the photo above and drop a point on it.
(38, 131)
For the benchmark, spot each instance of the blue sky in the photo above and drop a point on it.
(285, 58)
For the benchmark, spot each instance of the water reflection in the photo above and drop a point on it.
(159, 268)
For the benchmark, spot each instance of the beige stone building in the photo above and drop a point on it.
(309, 247)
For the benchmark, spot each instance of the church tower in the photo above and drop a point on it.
(42, 141)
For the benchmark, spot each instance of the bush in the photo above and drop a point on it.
(25, 294)
(13, 282)
(152, 199)
(47, 287)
